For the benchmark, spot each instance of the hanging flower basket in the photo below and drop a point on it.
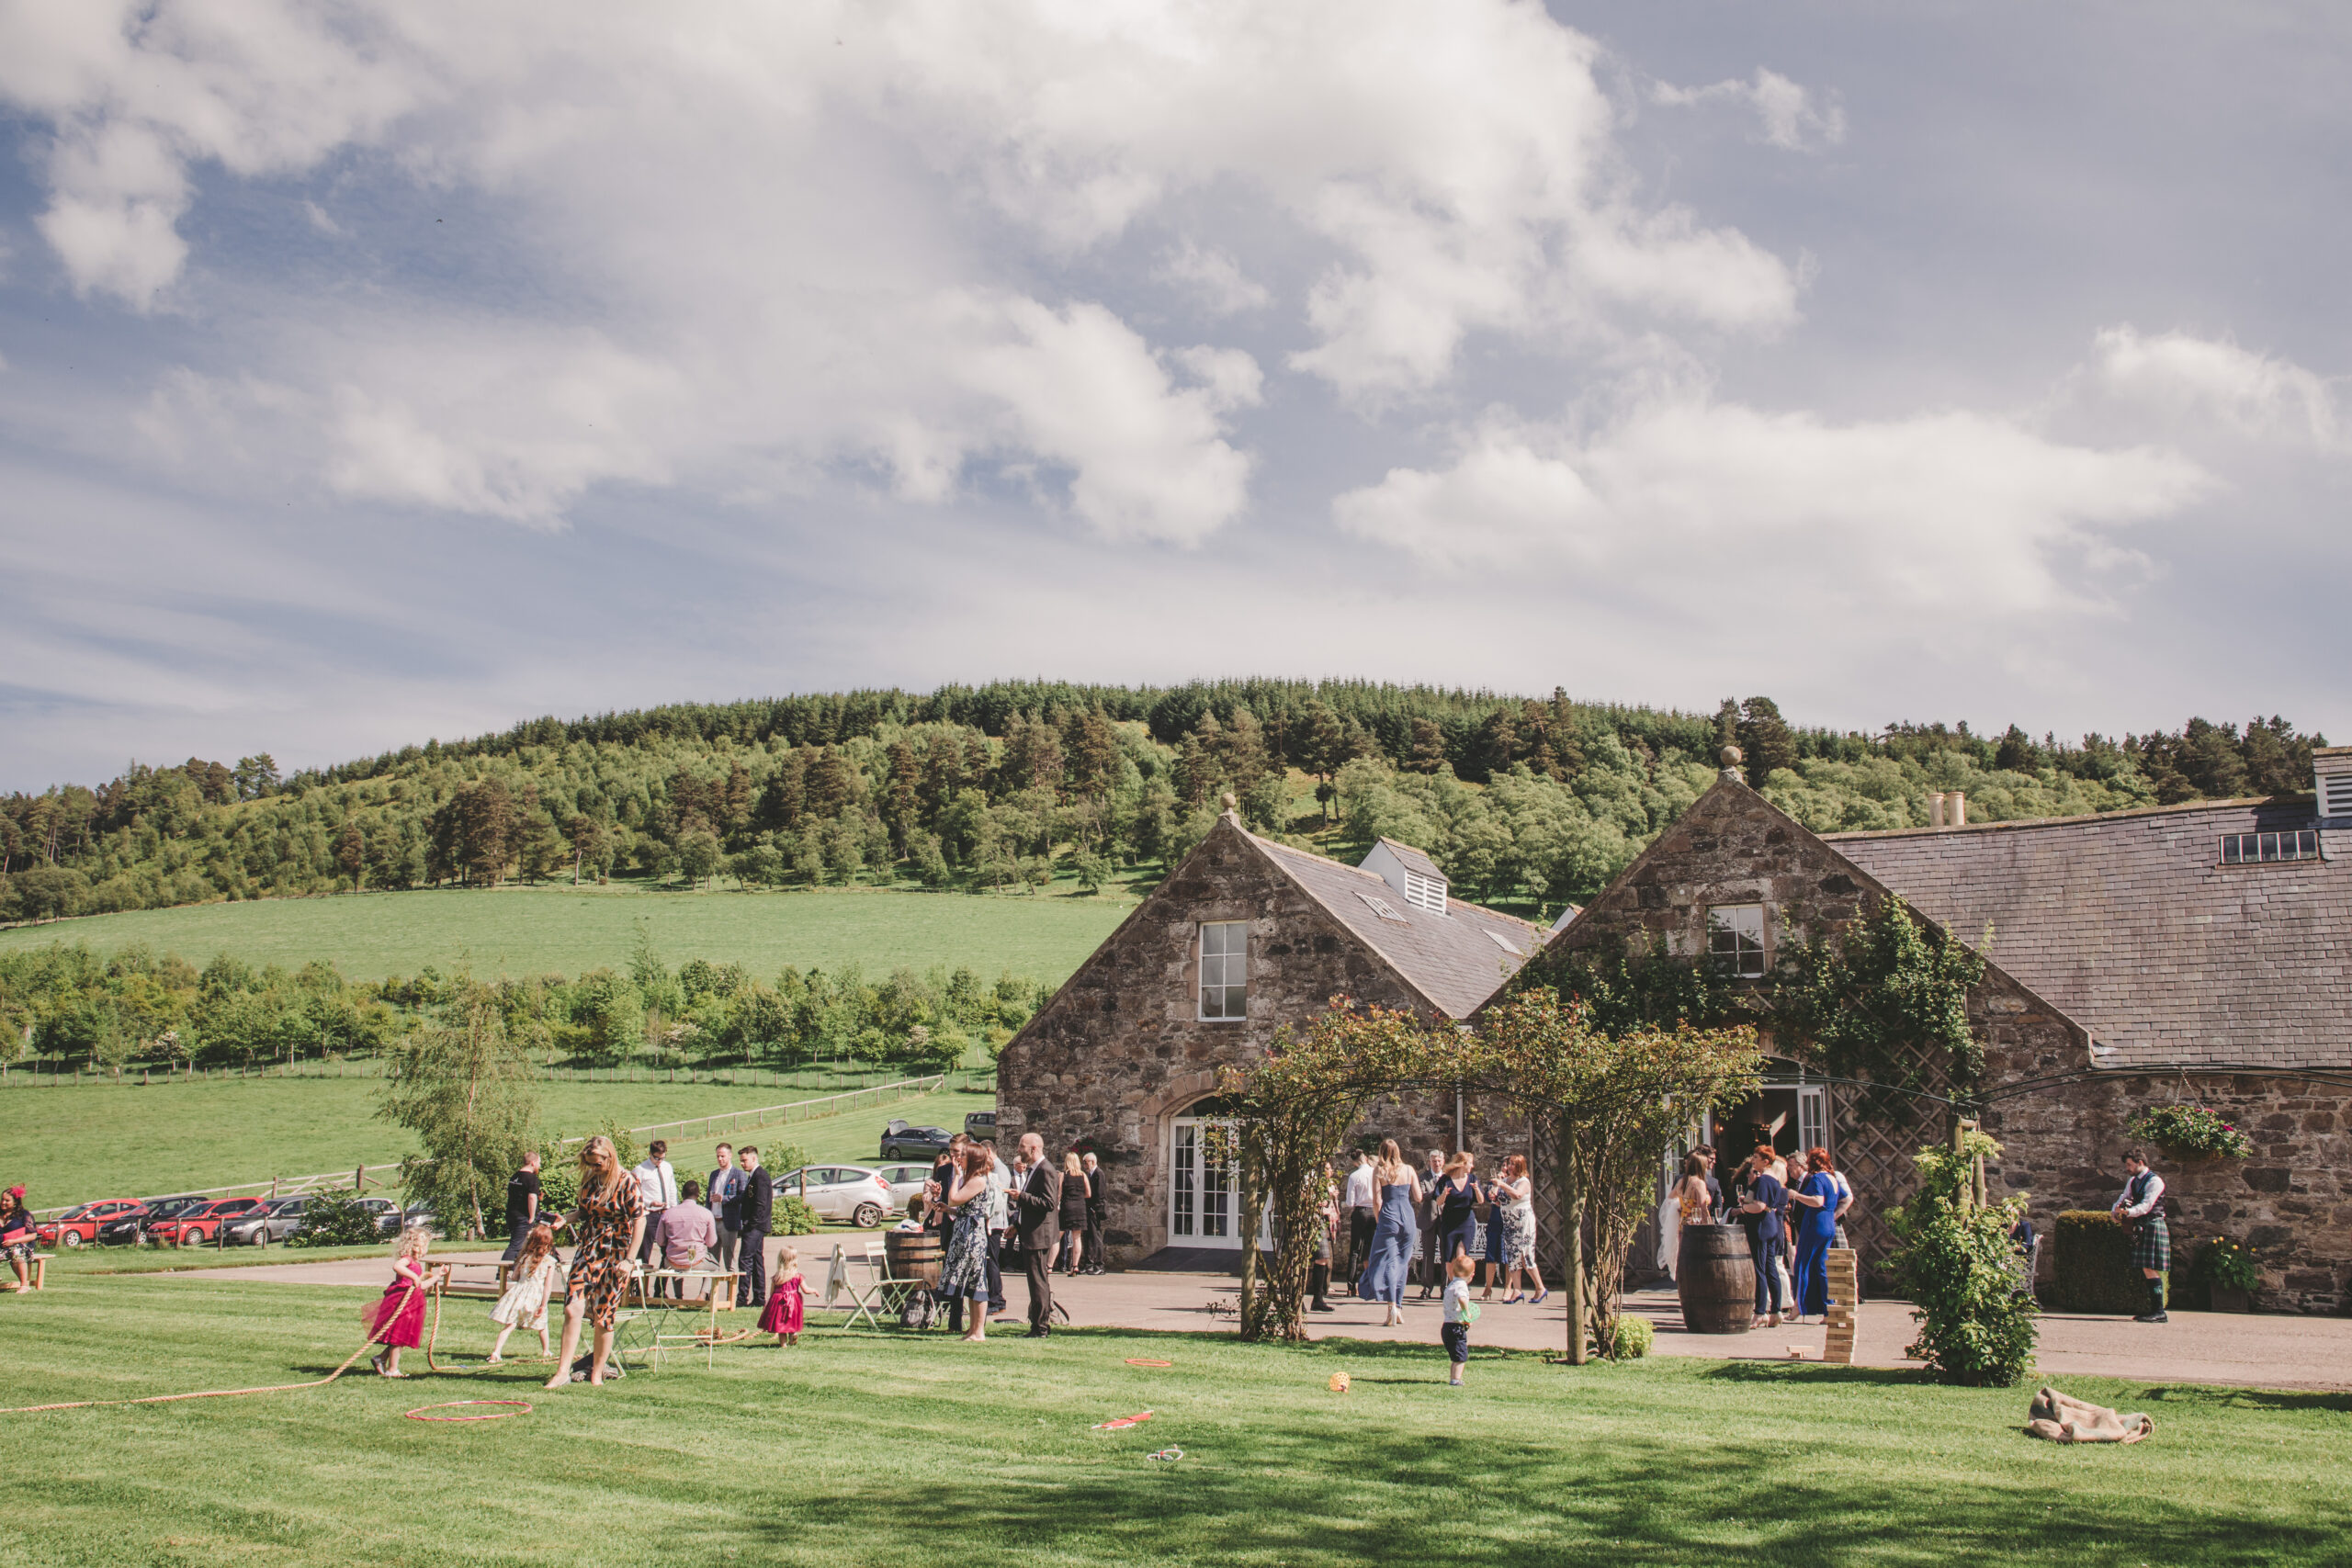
(2190, 1131)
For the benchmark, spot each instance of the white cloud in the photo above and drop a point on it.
(745, 238)
(1786, 114)
(1950, 512)
(2184, 380)
(1213, 278)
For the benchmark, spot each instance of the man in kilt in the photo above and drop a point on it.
(2141, 1207)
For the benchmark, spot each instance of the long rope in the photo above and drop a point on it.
(232, 1393)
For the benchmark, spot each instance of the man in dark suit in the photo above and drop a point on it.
(755, 1207)
(1096, 1202)
(1039, 1227)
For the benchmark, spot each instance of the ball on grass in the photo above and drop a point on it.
(1339, 1382)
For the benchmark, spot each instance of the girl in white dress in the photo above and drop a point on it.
(525, 1305)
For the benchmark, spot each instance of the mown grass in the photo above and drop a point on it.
(104, 1140)
(903, 1449)
(560, 930)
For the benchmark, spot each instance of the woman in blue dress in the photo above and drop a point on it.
(1395, 1238)
(1814, 1205)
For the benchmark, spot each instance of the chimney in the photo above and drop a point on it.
(1956, 809)
(2332, 781)
(1935, 810)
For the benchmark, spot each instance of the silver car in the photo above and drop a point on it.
(280, 1220)
(906, 1181)
(853, 1192)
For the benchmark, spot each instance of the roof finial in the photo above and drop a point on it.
(1731, 756)
(1230, 803)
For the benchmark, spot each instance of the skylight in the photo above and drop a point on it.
(1382, 907)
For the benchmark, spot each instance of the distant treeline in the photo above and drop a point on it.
(72, 1005)
(1523, 800)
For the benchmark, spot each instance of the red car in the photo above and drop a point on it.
(200, 1225)
(79, 1227)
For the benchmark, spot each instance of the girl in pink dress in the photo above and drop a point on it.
(397, 1319)
(784, 1307)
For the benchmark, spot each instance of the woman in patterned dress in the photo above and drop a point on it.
(610, 1222)
(965, 1272)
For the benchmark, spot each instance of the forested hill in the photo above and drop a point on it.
(1525, 801)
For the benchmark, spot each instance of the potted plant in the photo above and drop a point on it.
(2228, 1272)
(2189, 1133)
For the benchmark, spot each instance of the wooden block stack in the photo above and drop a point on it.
(1838, 1345)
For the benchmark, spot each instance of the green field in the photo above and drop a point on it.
(71, 1144)
(870, 1449)
(562, 929)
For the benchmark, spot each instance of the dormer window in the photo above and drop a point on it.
(1735, 939)
(1424, 892)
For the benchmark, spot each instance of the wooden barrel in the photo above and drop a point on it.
(1716, 1280)
(915, 1255)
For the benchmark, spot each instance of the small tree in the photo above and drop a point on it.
(466, 1090)
(1953, 1254)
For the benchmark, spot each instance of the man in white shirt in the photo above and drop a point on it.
(1001, 1185)
(657, 1184)
(2141, 1207)
(1362, 1204)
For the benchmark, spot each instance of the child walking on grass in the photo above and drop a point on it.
(1459, 1313)
(525, 1305)
(396, 1321)
(783, 1316)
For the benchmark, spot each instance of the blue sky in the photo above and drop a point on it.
(374, 372)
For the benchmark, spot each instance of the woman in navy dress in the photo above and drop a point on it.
(1395, 1238)
(1459, 1198)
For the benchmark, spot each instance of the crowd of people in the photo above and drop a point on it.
(1799, 1198)
(1400, 1221)
(1048, 1213)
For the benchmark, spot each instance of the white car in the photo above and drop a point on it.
(853, 1192)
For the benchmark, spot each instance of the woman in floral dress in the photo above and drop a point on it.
(610, 1222)
(966, 1271)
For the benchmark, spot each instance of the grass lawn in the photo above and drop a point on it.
(562, 929)
(75, 1144)
(904, 1450)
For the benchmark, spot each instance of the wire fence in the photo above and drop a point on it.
(37, 1075)
(725, 1122)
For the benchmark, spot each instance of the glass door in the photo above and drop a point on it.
(1204, 1187)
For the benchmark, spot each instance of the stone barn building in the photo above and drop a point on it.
(1244, 936)
(2193, 952)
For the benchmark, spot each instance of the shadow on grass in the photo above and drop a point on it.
(1802, 1372)
(1282, 1498)
(2246, 1398)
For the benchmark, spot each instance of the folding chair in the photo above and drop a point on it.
(863, 1299)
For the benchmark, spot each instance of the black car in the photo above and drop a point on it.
(902, 1142)
(132, 1231)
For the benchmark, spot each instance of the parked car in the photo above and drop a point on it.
(980, 1124)
(276, 1223)
(850, 1192)
(387, 1212)
(905, 1181)
(80, 1227)
(196, 1227)
(423, 1214)
(900, 1141)
(130, 1230)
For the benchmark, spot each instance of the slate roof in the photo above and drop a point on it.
(2131, 925)
(1413, 859)
(1457, 960)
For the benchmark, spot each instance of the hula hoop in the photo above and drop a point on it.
(1146, 1361)
(523, 1408)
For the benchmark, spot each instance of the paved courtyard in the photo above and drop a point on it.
(2224, 1348)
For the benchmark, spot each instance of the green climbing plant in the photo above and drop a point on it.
(1884, 999)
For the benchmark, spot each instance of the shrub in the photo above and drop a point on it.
(1630, 1338)
(2091, 1266)
(2190, 1131)
(793, 1216)
(335, 1219)
(1959, 1267)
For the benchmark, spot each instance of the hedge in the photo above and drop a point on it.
(2093, 1267)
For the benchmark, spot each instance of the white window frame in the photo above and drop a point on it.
(1224, 973)
(1204, 1202)
(1748, 949)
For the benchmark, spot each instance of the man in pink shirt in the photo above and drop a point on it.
(687, 1233)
